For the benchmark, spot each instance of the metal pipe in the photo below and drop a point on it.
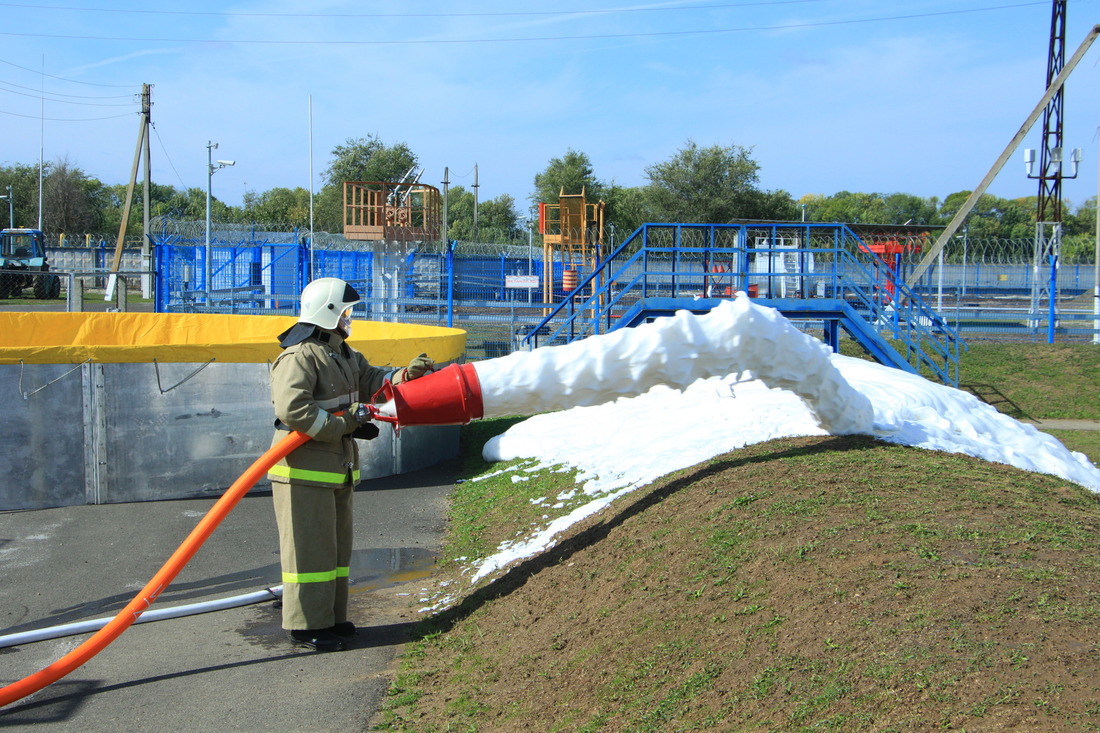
(160, 614)
(1096, 271)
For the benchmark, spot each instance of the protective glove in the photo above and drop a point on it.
(419, 366)
(354, 416)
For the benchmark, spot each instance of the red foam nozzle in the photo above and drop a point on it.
(450, 396)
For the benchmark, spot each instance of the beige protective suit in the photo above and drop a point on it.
(314, 485)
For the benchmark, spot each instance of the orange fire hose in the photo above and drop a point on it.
(167, 573)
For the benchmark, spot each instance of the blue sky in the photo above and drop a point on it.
(913, 96)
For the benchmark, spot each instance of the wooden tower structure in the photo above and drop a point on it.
(392, 212)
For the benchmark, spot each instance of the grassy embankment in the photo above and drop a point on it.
(800, 584)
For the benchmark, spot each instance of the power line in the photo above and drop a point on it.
(49, 98)
(168, 157)
(531, 39)
(61, 78)
(73, 96)
(64, 119)
(508, 14)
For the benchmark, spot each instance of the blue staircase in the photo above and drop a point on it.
(815, 274)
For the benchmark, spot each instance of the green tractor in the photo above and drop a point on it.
(23, 265)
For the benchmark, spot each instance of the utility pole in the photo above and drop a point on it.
(11, 208)
(476, 186)
(1013, 144)
(1095, 270)
(446, 183)
(147, 185)
(116, 262)
(41, 137)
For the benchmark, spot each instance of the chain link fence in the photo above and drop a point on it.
(497, 291)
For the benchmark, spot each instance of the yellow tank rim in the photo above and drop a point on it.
(74, 338)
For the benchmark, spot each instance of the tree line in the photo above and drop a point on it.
(698, 184)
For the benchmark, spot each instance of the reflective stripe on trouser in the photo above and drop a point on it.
(302, 474)
(315, 541)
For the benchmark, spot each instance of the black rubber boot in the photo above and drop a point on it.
(321, 640)
(344, 629)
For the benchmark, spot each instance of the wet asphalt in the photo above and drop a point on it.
(230, 670)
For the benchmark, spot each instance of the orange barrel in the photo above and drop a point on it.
(568, 280)
(450, 396)
(753, 290)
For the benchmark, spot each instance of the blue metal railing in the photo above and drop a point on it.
(654, 262)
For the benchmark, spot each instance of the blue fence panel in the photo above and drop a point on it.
(356, 267)
(252, 277)
(257, 273)
(478, 278)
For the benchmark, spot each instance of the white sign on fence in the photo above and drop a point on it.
(521, 281)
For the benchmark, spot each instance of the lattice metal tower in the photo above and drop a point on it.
(1048, 219)
(1050, 163)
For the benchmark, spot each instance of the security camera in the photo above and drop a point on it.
(227, 162)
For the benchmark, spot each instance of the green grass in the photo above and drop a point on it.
(1035, 380)
(957, 576)
(691, 605)
(97, 295)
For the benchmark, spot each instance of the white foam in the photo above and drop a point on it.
(624, 443)
(737, 336)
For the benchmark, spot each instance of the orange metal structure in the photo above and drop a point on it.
(572, 235)
(890, 250)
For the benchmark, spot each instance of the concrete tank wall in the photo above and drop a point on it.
(95, 431)
(104, 433)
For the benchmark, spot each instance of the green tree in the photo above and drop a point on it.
(712, 185)
(23, 180)
(570, 173)
(72, 202)
(993, 217)
(358, 159)
(627, 209)
(277, 206)
(186, 205)
(905, 208)
(460, 213)
(368, 159)
(1080, 220)
(846, 207)
(497, 219)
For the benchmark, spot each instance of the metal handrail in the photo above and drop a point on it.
(926, 337)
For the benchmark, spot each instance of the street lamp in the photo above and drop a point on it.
(211, 166)
(11, 209)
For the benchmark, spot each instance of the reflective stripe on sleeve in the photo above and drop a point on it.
(325, 577)
(339, 403)
(334, 403)
(302, 474)
(318, 423)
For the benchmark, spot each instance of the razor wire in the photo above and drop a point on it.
(261, 269)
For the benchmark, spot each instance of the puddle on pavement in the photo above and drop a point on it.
(370, 570)
(374, 569)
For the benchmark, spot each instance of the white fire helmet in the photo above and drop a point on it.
(324, 301)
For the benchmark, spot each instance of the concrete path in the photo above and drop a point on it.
(1066, 424)
(222, 671)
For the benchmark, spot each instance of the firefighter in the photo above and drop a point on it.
(315, 376)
